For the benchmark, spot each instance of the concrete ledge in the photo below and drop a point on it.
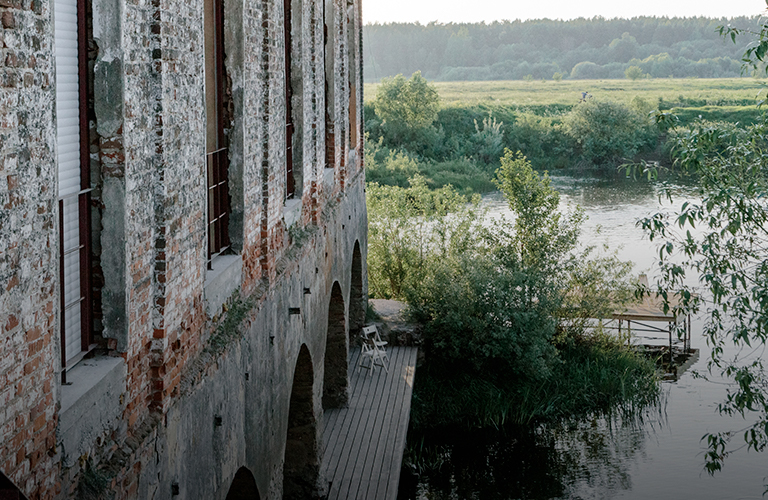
(222, 281)
(291, 212)
(91, 405)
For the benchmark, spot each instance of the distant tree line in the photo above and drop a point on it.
(545, 49)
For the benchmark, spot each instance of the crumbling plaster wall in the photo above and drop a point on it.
(29, 256)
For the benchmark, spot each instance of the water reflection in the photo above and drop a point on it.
(578, 459)
(656, 458)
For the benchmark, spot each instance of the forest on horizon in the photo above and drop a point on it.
(547, 49)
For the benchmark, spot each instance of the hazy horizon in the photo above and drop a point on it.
(452, 11)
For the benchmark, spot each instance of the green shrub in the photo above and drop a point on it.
(386, 166)
(503, 307)
(488, 141)
(542, 139)
(607, 132)
(465, 176)
(406, 226)
(406, 107)
(634, 73)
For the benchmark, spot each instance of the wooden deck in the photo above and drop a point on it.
(363, 444)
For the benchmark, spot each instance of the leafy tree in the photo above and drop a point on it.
(588, 70)
(623, 49)
(722, 243)
(406, 106)
(606, 132)
(557, 76)
(728, 255)
(497, 316)
(400, 232)
(542, 234)
(634, 73)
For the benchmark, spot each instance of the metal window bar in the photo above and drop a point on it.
(84, 300)
(218, 203)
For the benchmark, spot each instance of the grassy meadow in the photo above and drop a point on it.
(707, 91)
(543, 120)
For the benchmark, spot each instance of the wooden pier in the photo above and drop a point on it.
(363, 444)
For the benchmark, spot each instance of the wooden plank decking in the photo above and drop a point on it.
(363, 444)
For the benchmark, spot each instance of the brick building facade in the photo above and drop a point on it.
(182, 243)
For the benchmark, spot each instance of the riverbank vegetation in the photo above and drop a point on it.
(458, 142)
(504, 304)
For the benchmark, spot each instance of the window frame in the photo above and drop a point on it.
(85, 300)
(217, 155)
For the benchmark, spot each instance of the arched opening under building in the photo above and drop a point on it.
(335, 381)
(356, 299)
(301, 465)
(8, 490)
(243, 486)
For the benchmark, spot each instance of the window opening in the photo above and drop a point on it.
(353, 64)
(329, 37)
(290, 184)
(74, 181)
(217, 153)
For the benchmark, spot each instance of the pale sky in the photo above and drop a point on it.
(446, 11)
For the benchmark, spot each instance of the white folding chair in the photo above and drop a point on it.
(372, 332)
(370, 351)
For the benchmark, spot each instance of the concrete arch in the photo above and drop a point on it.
(336, 379)
(301, 465)
(243, 486)
(356, 299)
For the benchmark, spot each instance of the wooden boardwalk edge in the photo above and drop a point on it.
(363, 444)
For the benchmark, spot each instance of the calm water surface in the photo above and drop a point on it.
(657, 457)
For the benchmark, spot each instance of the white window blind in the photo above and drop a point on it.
(68, 135)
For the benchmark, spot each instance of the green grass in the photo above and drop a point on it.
(745, 115)
(568, 92)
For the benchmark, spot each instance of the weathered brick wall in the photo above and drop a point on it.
(255, 162)
(142, 141)
(29, 269)
(148, 150)
(181, 256)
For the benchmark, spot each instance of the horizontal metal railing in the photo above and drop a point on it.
(218, 202)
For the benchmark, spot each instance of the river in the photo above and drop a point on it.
(658, 455)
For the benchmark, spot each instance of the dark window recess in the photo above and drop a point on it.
(217, 155)
(290, 183)
(328, 55)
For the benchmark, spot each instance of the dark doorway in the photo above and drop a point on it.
(301, 466)
(356, 299)
(8, 490)
(335, 381)
(243, 486)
